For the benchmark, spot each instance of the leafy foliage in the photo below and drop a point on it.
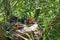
(26, 8)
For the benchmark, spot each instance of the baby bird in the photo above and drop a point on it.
(31, 20)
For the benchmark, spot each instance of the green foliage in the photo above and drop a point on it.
(26, 8)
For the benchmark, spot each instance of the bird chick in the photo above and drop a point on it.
(31, 20)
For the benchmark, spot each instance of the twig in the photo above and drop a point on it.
(17, 35)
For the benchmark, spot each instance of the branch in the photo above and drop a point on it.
(19, 36)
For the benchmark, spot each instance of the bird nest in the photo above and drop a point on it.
(20, 31)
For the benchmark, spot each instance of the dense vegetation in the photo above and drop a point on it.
(48, 17)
